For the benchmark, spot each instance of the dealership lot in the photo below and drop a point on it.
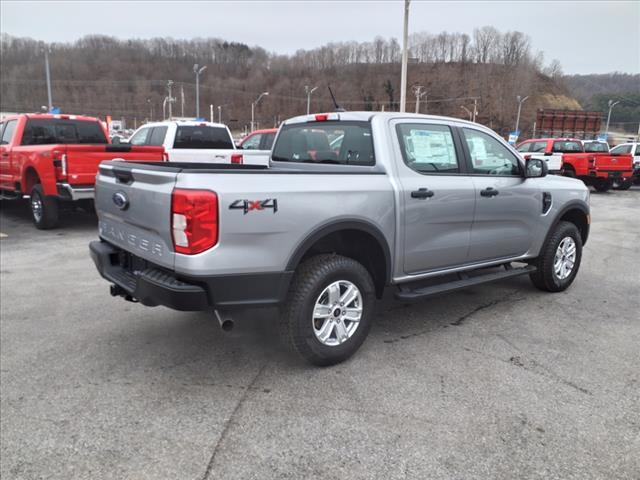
(499, 381)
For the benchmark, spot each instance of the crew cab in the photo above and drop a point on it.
(54, 158)
(195, 141)
(597, 169)
(421, 204)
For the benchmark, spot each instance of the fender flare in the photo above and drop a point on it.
(571, 205)
(336, 226)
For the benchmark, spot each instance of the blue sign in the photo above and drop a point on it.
(513, 137)
(55, 110)
(602, 137)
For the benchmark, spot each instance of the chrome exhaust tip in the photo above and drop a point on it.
(225, 320)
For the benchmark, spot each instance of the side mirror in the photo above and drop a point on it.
(536, 168)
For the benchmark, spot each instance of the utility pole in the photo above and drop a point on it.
(308, 90)
(405, 54)
(198, 70)
(417, 90)
(253, 110)
(182, 100)
(47, 72)
(521, 100)
(171, 99)
(611, 104)
(211, 113)
(475, 109)
(468, 111)
(219, 113)
(150, 109)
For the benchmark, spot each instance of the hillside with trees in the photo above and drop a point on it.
(99, 75)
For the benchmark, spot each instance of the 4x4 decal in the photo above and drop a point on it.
(248, 205)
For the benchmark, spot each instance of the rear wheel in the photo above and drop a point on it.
(602, 185)
(44, 209)
(622, 184)
(559, 260)
(568, 171)
(329, 309)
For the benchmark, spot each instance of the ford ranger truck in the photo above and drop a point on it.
(352, 203)
(53, 160)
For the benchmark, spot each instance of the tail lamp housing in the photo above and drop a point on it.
(194, 220)
(237, 158)
(60, 163)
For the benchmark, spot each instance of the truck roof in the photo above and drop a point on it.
(368, 116)
(185, 123)
(46, 116)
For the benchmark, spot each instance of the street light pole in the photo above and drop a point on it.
(521, 100)
(253, 110)
(417, 90)
(405, 54)
(198, 70)
(46, 67)
(219, 113)
(611, 104)
(150, 109)
(171, 99)
(309, 91)
(468, 111)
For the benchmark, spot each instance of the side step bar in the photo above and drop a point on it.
(464, 281)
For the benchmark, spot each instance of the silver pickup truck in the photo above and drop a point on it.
(351, 203)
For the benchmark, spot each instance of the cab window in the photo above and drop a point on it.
(428, 148)
(489, 156)
(156, 139)
(538, 147)
(620, 149)
(567, 146)
(140, 137)
(525, 147)
(7, 133)
(252, 143)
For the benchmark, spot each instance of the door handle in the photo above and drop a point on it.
(489, 192)
(422, 193)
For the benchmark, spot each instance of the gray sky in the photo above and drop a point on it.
(586, 36)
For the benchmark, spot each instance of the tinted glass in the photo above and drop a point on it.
(346, 143)
(157, 136)
(538, 147)
(252, 143)
(267, 140)
(524, 147)
(203, 136)
(489, 156)
(596, 147)
(141, 137)
(567, 146)
(428, 148)
(7, 133)
(54, 130)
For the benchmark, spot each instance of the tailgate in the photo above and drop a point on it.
(198, 155)
(610, 163)
(134, 209)
(83, 160)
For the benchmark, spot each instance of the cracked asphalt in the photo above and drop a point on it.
(496, 382)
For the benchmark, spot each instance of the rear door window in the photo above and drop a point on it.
(333, 142)
(267, 141)
(538, 147)
(7, 133)
(620, 149)
(567, 146)
(525, 147)
(156, 139)
(53, 130)
(253, 142)
(203, 136)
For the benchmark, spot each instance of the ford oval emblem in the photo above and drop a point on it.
(121, 200)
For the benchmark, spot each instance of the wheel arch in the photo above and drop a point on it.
(357, 239)
(575, 212)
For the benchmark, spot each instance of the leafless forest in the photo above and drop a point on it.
(101, 75)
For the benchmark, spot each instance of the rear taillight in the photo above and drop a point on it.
(236, 158)
(60, 163)
(592, 161)
(194, 220)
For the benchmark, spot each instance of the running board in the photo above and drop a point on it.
(463, 281)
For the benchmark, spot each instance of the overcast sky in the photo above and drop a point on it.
(586, 36)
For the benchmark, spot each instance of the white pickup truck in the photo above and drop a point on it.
(196, 141)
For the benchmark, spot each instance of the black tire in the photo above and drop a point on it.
(310, 280)
(545, 278)
(602, 185)
(624, 184)
(47, 215)
(568, 172)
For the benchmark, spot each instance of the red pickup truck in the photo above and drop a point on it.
(597, 168)
(54, 159)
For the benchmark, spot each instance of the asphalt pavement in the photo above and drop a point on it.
(495, 382)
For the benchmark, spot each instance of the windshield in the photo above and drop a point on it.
(203, 136)
(567, 146)
(53, 130)
(596, 147)
(346, 143)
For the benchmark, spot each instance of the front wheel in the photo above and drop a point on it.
(329, 309)
(44, 209)
(559, 260)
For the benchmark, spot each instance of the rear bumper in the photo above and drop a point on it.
(75, 192)
(152, 285)
(610, 173)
